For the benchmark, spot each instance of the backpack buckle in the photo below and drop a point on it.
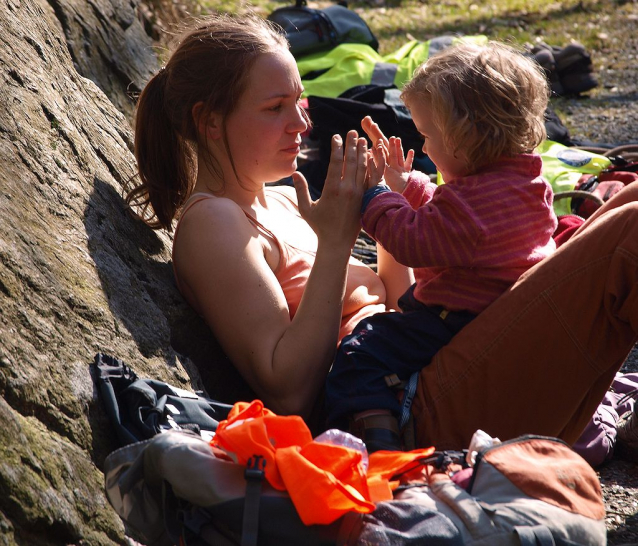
(255, 468)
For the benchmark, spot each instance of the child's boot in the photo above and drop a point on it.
(378, 429)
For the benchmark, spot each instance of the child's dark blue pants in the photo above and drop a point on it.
(385, 344)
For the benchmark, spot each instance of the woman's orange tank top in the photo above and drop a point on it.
(365, 293)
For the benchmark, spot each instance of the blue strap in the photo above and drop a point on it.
(439, 44)
(408, 397)
(383, 74)
(537, 535)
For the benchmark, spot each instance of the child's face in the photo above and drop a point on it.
(442, 156)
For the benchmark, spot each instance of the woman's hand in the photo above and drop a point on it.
(398, 166)
(335, 216)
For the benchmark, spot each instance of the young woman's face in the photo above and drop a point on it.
(264, 131)
(434, 146)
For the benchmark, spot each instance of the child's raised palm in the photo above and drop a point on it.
(398, 166)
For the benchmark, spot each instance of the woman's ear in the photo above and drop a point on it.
(208, 125)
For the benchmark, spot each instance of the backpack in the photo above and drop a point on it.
(310, 30)
(528, 491)
(177, 489)
(141, 408)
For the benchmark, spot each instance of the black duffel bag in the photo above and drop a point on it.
(310, 30)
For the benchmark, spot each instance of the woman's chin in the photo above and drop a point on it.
(292, 167)
(284, 170)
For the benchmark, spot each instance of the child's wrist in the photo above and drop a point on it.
(399, 183)
(371, 193)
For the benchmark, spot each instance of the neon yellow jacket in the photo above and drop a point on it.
(350, 65)
(563, 166)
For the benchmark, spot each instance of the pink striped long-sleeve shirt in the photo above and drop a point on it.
(470, 239)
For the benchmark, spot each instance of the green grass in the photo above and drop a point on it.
(518, 21)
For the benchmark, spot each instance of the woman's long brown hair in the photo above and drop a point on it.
(209, 64)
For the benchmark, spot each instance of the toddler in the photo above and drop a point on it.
(480, 110)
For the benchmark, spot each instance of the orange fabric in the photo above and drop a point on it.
(562, 478)
(324, 481)
(318, 495)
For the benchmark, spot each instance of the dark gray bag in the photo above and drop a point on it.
(310, 30)
(141, 408)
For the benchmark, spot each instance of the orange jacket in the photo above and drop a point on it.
(324, 481)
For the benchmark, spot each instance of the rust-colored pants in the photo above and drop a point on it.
(540, 359)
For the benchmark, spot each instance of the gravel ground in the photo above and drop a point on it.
(609, 113)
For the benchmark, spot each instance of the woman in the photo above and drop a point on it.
(277, 288)
(275, 281)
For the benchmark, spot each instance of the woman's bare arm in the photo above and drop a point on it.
(224, 267)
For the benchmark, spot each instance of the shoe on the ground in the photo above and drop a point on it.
(575, 69)
(544, 56)
(627, 433)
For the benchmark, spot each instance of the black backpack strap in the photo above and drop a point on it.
(141, 408)
(112, 376)
(254, 475)
(332, 32)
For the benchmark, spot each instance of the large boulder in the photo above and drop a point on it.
(78, 273)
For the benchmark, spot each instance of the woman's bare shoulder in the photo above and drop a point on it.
(211, 215)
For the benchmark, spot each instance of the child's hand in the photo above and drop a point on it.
(398, 167)
(376, 165)
(373, 131)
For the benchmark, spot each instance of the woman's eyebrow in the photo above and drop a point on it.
(285, 95)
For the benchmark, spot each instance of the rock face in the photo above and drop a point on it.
(78, 273)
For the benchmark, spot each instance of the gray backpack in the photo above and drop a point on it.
(174, 489)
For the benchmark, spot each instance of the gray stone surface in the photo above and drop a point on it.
(78, 274)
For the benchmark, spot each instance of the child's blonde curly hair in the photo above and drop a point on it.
(487, 100)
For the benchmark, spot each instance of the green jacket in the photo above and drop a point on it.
(351, 65)
(563, 167)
